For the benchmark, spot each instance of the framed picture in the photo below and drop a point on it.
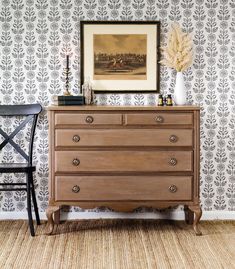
(120, 56)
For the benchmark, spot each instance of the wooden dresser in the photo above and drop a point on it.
(124, 158)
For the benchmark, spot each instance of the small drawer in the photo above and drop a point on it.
(123, 137)
(87, 119)
(131, 188)
(159, 118)
(121, 161)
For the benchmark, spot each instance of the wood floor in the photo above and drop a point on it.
(118, 244)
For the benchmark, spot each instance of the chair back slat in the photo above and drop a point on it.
(31, 111)
(20, 110)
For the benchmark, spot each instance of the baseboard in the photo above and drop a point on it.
(174, 215)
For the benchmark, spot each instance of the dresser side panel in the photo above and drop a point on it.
(51, 120)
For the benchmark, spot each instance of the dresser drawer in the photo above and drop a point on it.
(123, 137)
(131, 188)
(126, 160)
(159, 118)
(88, 119)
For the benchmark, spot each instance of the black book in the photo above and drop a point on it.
(68, 98)
(69, 102)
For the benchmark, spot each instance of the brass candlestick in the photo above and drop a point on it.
(66, 92)
(67, 77)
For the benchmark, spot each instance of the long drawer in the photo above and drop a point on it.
(101, 188)
(125, 160)
(123, 137)
(159, 118)
(88, 119)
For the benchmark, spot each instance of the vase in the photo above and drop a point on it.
(180, 95)
(88, 92)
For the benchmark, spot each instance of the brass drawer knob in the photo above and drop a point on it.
(75, 189)
(173, 138)
(89, 119)
(173, 188)
(76, 162)
(159, 119)
(173, 161)
(76, 138)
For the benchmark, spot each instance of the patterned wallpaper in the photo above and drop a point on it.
(35, 35)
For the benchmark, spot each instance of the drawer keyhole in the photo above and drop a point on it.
(76, 162)
(76, 138)
(75, 189)
(173, 188)
(173, 138)
(173, 161)
(159, 119)
(89, 119)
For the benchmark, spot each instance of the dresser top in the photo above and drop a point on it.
(124, 108)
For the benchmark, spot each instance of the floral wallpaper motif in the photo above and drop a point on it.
(35, 36)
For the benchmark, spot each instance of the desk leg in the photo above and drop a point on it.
(49, 213)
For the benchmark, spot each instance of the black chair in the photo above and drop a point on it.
(30, 112)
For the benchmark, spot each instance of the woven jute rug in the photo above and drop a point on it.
(114, 244)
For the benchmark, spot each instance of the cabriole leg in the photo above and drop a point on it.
(49, 213)
(189, 215)
(198, 213)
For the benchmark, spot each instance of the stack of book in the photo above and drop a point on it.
(68, 100)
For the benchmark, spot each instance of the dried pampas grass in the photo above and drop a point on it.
(178, 53)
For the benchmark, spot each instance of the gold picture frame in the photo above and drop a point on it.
(120, 56)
